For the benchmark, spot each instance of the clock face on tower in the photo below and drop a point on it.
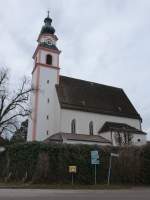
(49, 42)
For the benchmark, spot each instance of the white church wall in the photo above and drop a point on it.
(83, 119)
(48, 111)
(106, 135)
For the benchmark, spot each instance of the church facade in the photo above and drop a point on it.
(69, 110)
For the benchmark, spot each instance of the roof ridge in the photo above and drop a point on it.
(90, 82)
(121, 124)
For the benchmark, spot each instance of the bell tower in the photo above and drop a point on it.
(45, 76)
(47, 53)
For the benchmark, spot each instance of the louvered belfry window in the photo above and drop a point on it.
(49, 59)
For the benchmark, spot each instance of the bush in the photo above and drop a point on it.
(49, 163)
(145, 172)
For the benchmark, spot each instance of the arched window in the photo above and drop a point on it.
(91, 128)
(49, 59)
(73, 126)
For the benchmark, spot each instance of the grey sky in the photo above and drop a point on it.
(105, 41)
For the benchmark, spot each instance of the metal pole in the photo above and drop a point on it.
(109, 170)
(95, 176)
(72, 178)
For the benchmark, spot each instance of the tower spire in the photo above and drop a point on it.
(47, 28)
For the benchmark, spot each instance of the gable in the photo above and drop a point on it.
(87, 96)
(120, 127)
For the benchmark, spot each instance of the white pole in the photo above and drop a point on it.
(109, 170)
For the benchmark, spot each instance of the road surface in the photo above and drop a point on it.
(50, 194)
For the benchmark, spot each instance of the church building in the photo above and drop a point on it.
(69, 110)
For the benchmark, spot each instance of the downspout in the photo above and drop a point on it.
(111, 137)
(140, 121)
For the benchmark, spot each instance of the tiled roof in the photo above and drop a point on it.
(59, 137)
(93, 97)
(112, 126)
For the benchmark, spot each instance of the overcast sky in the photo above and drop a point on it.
(105, 41)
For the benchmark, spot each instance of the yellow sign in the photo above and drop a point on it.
(72, 169)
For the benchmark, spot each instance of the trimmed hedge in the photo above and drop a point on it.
(48, 163)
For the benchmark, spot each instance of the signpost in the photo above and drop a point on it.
(95, 162)
(110, 163)
(72, 171)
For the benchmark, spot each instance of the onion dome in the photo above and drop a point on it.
(47, 28)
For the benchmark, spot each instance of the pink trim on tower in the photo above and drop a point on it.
(45, 49)
(44, 65)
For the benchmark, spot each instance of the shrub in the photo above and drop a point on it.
(49, 163)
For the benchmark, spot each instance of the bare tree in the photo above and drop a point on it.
(14, 105)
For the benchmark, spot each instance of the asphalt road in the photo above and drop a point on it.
(49, 194)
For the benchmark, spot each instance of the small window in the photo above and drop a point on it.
(47, 81)
(73, 126)
(49, 59)
(139, 140)
(47, 117)
(47, 132)
(91, 128)
(48, 100)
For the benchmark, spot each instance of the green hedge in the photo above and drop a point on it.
(49, 163)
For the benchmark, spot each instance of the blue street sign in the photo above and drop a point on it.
(94, 158)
